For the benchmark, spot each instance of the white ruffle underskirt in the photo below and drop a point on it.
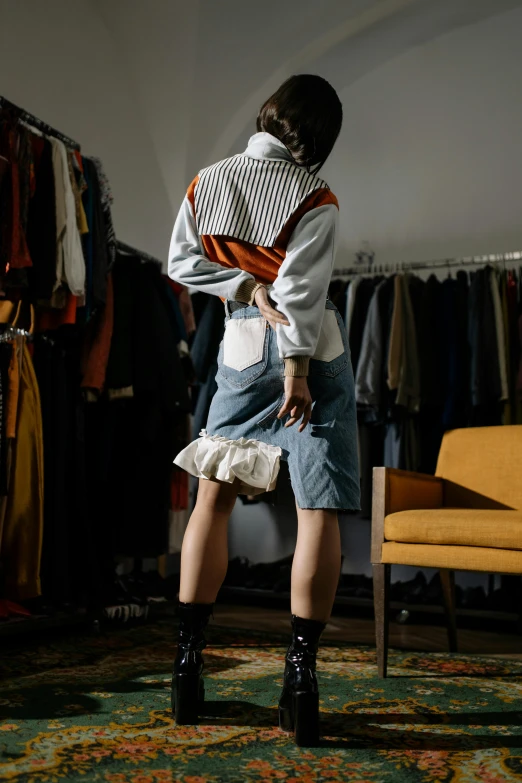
(254, 463)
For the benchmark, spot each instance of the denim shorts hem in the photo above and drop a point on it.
(339, 509)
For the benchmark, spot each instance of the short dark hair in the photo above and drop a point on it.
(306, 115)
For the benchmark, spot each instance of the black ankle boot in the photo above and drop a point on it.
(299, 702)
(188, 690)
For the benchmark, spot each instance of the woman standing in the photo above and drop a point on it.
(259, 230)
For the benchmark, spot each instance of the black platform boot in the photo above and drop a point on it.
(188, 690)
(299, 702)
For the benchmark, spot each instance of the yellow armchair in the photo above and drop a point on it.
(468, 517)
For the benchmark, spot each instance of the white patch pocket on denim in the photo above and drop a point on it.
(244, 342)
(330, 344)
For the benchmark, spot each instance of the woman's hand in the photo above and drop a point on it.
(298, 402)
(268, 312)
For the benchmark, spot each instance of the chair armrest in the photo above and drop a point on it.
(400, 490)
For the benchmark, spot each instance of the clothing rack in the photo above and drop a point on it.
(373, 269)
(123, 247)
(30, 119)
(15, 334)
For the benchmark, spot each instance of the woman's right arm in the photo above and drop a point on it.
(300, 292)
(301, 287)
(189, 265)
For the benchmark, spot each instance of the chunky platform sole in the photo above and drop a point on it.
(299, 713)
(188, 695)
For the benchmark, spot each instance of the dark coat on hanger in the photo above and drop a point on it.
(210, 317)
(485, 370)
(363, 297)
(142, 432)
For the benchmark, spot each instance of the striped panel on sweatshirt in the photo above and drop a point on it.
(250, 199)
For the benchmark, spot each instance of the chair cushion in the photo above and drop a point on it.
(456, 527)
(457, 558)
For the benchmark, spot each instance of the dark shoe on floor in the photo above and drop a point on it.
(188, 690)
(299, 702)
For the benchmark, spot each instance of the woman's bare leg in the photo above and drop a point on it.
(317, 564)
(204, 554)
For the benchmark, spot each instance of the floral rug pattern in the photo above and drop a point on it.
(97, 708)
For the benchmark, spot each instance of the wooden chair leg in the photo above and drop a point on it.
(447, 580)
(381, 603)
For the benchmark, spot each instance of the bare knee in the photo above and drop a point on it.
(317, 516)
(216, 497)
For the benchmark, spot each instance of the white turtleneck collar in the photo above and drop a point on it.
(264, 146)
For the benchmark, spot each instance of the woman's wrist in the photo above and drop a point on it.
(247, 290)
(297, 366)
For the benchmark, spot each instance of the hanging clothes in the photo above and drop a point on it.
(514, 347)
(402, 436)
(98, 253)
(457, 408)
(430, 359)
(396, 337)
(98, 344)
(351, 293)
(26, 174)
(13, 393)
(486, 386)
(65, 545)
(138, 435)
(205, 348)
(363, 297)
(14, 253)
(106, 199)
(500, 335)
(41, 222)
(22, 530)
(99, 337)
(119, 377)
(369, 368)
(51, 318)
(373, 395)
(519, 376)
(5, 360)
(4, 167)
(337, 294)
(408, 386)
(70, 263)
(185, 304)
(78, 184)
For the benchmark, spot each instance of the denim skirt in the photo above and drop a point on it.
(244, 440)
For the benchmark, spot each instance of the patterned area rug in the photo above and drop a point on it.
(97, 708)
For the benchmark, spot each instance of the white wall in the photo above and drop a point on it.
(60, 61)
(429, 157)
(150, 86)
(157, 47)
(429, 164)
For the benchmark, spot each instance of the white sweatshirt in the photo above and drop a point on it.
(252, 197)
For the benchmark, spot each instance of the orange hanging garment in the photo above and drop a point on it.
(22, 531)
